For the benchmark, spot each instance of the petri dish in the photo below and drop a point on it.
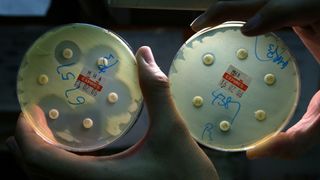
(249, 86)
(78, 87)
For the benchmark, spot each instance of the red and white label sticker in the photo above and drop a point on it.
(90, 82)
(235, 81)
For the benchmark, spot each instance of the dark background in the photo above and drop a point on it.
(164, 31)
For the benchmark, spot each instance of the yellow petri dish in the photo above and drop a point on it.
(78, 87)
(234, 90)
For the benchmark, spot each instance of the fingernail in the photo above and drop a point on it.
(146, 60)
(140, 59)
(197, 23)
(144, 54)
(252, 23)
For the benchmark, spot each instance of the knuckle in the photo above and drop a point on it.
(161, 81)
(158, 80)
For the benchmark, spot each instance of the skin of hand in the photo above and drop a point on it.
(263, 16)
(167, 151)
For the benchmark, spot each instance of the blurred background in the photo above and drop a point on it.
(23, 21)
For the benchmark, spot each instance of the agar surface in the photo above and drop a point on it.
(237, 89)
(84, 79)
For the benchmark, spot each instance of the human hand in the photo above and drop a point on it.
(263, 16)
(167, 151)
(297, 139)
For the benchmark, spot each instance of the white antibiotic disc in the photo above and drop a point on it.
(234, 87)
(60, 71)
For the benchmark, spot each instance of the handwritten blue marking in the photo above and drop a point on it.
(103, 68)
(63, 65)
(224, 101)
(67, 76)
(272, 55)
(69, 90)
(80, 100)
(109, 57)
(208, 128)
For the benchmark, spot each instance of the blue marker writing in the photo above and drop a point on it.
(103, 68)
(208, 129)
(63, 65)
(272, 54)
(70, 76)
(224, 101)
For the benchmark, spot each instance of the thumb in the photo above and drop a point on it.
(281, 146)
(154, 85)
(296, 140)
(153, 82)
